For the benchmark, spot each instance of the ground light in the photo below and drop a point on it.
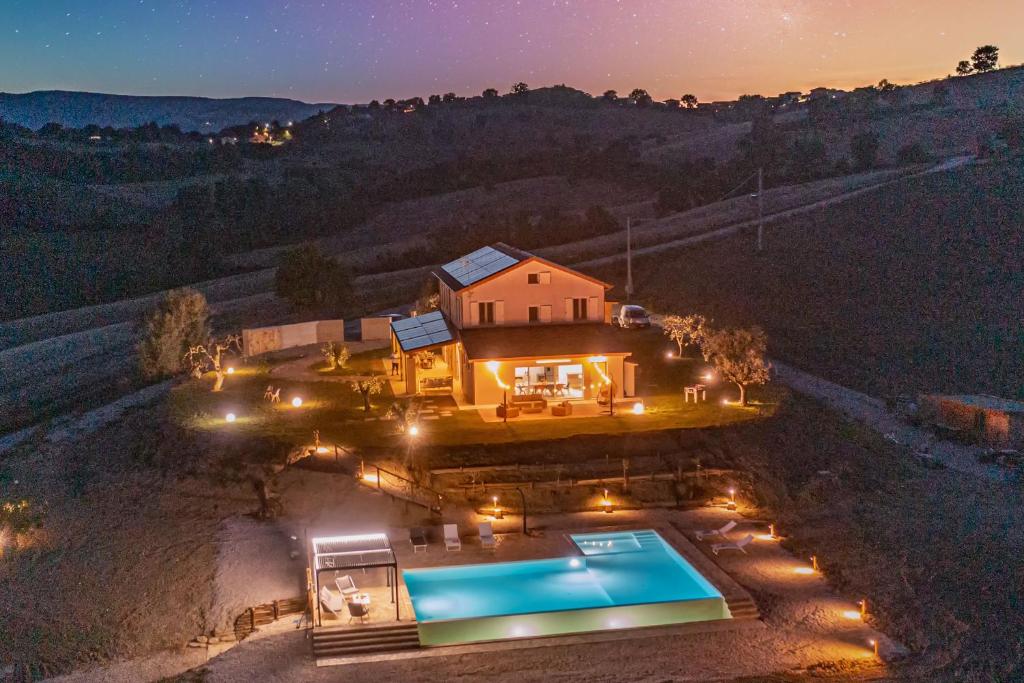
(231, 371)
(638, 408)
(414, 430)
(297, 402)
(497, 510)
(230, 417)
(874, 646)
(606, 503)
(669, 355)
(852, 614)
(707, 377)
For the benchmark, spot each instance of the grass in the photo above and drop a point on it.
(336, 410)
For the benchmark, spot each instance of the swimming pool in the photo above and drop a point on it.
(618, 580)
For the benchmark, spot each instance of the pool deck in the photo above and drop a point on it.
(767, 569)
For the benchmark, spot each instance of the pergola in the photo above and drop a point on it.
(359, 551)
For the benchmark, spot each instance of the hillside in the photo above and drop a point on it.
(77, 109)
(914, 287)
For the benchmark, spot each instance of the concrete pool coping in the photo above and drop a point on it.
(731, 591)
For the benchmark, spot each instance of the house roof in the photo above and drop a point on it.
(422, 331)
(487, 262)
(544, 341)
(984, 402)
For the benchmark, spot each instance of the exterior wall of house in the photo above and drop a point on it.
(485, 389)
(513, 296)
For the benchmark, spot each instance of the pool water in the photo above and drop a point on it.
(613, 575)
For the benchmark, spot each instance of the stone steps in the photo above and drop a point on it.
(340, 642)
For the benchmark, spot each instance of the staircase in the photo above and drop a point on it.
(648, 539)
(742, 607)
(372, 640)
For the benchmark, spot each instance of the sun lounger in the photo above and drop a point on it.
(733, 545)
(451, 537)
(486, 535)
(418, 539)
(334, 602)
(720, 532)
(346, 585)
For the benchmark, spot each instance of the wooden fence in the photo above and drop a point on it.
(261, 615)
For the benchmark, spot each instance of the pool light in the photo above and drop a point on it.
(230, 417)
(574, 563)
(297, 402)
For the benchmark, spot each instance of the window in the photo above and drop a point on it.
(541, 278)
(579, 309)
(486, 312)
(534, 312)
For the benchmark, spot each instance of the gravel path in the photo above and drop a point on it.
(872, 412)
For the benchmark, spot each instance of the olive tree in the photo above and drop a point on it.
(178, 322)
(739, 357)
(209, 357)
(685, 330)
(367, 387)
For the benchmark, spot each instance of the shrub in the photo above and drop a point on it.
(309, 279)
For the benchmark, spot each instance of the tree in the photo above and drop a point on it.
(685, 330)
(864, 148)
(739, 357)
(366, 387)
(309, 279)
(912, 153)
(490, 93)
(520, 88)
(449, 97)
(336, 355)
(885, 87)
(639, 97)
(689, 101)
(964, 68)
(434, 100)
(179, 321)
(985, 58)
(206, 357)
(610, 96)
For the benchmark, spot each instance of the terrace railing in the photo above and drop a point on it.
(397, 486)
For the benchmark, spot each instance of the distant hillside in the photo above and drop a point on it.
(77, 109)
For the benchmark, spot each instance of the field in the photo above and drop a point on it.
(914, 287)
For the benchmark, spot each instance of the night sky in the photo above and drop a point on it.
(355, 50)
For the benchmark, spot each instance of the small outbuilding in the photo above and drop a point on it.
(989, 420)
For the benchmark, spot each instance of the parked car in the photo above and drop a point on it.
(632, 317)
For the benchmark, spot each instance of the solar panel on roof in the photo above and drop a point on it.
(478, 265)
(421, 331)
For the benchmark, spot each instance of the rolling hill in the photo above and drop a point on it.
(77, 109)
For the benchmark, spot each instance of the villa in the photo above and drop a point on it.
(513, 327)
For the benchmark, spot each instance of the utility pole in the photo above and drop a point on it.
(760, 209)
(629, 258)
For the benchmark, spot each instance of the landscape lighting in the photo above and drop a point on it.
(414, 430)
(606, 503)
(669, 355)
(851, 614)
(708, 376)
(874, 646)
(638, 408)
(497, 510)
(230, 417)
(231, 371)
(803, 570)
(574, 563)
(297, 402)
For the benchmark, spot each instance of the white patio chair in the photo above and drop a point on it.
(334, 602)
(451, 537)
(720, 532)
(486, 535)
(733, 545)
(346, 585)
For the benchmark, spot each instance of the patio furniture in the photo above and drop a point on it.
(530, 403)
(695, 390)
(334, 602)
(486, 535)
(358, 610)
(346, 585)
(563, 409)
(418, 538)
(451, 537)
(733, 545)
(513, 411)
(720, 532)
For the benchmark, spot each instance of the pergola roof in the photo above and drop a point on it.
(423, 331)
(352, 552)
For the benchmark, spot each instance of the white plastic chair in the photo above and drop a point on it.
(451, 537)
(733, 545)
(721, 532)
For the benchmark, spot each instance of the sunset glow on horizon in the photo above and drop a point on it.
(357, 51)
